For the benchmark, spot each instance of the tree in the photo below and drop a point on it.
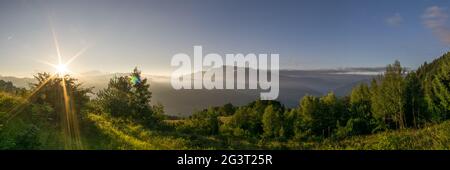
(53, 91)
(205, 122)
(116, 98)
(128, 96)
(414, 101)
(331, 111)
(435, 84)
(7, 86)
(158, 111)
(389, 96)
(310, 113)
(360, 101)
(291, 117)
(320, 115)
(227, 109)
(272, 122)
(141, 95)
(378, 113)
(360, 109)
(68, 99)
(441, 88)
(241, 121)
(249, 119)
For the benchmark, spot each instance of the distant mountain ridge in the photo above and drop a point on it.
(18, 82)
(294, 84)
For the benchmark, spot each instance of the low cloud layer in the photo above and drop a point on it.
(435, 18)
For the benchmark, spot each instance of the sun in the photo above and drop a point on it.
(71, 128)
(61, 69)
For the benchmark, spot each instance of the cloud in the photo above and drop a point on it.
(435, 18)
(394, 20)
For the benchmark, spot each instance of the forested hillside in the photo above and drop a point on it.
(399, 109)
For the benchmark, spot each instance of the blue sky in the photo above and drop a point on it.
(308, 34)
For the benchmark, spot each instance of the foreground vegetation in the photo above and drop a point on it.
(398, 110)
(433, 137)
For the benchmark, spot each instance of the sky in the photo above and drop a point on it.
(307, 34)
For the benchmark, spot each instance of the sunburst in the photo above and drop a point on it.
(61, 70)
(70, 123)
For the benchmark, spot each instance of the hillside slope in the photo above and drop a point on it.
(435, 137)
(123, 135)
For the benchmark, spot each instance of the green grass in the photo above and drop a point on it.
(123, 134)
(117, 133)
(435, 137)
(24, 117)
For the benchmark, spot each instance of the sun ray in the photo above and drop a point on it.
(77, 55)
(48, 63)
(58, 70)
(68, 129)
(72, 130)
(17, 109)
(55, 41)
(69, 121)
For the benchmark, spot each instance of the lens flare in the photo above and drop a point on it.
(135, 80)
